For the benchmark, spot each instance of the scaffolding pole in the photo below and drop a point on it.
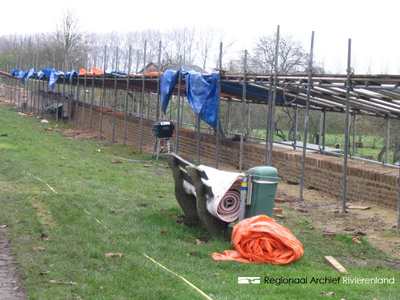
(309, 83)
(142, 99)
(103, 92)
(387, 140)
(243, 111)
(272, 120)
(353, 150)
(179, 102)
(115, 97)
(158, 82)
(218, 109)
(347, 129)
(296, 124)
(127, 94)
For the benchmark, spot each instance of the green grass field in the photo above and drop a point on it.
(70, 190)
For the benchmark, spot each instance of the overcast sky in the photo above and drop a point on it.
(372, 25)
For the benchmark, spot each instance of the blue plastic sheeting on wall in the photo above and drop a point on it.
(15, 72)
(71, 74)
(53, 78)
(202, 94)
(167, 83)
(22, 76)
(46, 72)
(31, 73)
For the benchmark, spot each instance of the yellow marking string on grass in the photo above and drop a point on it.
(185, 280)
(44, 183)
(98, 221)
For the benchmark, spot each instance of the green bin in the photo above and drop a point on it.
(262, 186)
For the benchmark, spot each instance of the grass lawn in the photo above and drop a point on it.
(70, 190)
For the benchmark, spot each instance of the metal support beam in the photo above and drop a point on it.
(103, 92)
(115, 97)
(296, 124)
(142, 99)
(217, 131)
(84, 95)
(309, 83)
(126, 94)
(267, 131)
(179, 106)
(324, 131)
(198, 138)
(387, 140)
(243, 111)
(158, 83)
(353, 150)
(272, 121)
(347, 128)
(320, 131)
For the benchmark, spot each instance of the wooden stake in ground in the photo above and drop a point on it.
(335, 264)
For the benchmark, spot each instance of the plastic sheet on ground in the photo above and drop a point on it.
(261, 239)
(226, 189)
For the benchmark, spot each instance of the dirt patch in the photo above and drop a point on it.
(10, 286)
(377, 225)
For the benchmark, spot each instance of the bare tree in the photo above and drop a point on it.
(66, 43)
(292, 56)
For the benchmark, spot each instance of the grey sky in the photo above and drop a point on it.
(370, 24)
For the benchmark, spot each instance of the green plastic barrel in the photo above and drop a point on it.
(262, 190)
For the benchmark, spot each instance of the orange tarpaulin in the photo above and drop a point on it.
(97, 71)
(261, 239)
(83, 72)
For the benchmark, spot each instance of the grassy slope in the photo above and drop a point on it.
(87, 182)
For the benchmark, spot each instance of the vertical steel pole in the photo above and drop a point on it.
(267, 131)
(158, 82)
(248, 130)
(179, 102)
(324, 132)
(142, 98)
(303, 159)
(229, 116)
(84, 95)
(115, 97)
(271, 136)
(198, 138)
(91, 104)
(296, 125)
(63, 96)
(217, 131)
(320, 130)
(243, 111)
(398, 202)
(346, 142)
(353, 152)
(70, 96)
(387, 140)
(127, 94)
(78, 91)
(103, 91)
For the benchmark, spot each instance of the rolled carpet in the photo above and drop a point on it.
(261, 239)
(226, 189)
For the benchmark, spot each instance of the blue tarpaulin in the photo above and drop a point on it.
(167, 83)
(45, 72)
(202, 94)
(31, 73)
(71, 74)
(15, 72)
(201, 91)
(53, 78)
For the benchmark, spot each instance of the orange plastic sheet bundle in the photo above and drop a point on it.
(261, 239)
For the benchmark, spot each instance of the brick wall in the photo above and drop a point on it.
(366, 181)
